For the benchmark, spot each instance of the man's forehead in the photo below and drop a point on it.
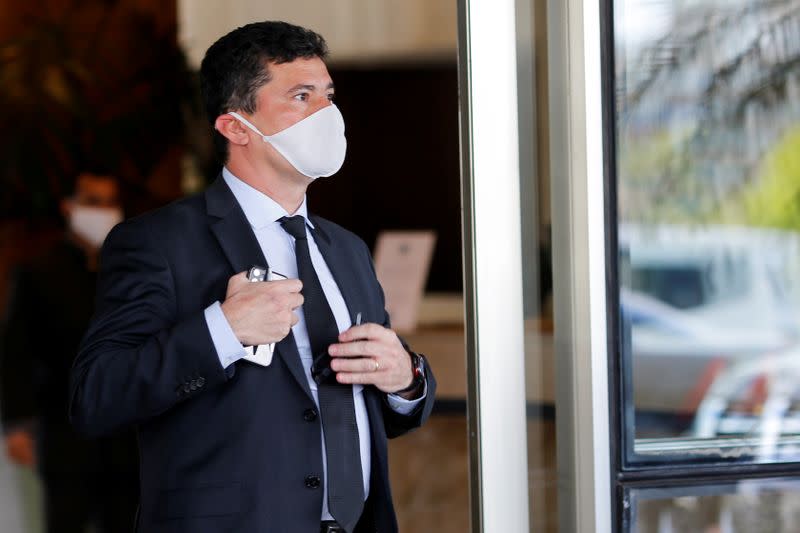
(311, 72)
(96, 183)
(310, 87)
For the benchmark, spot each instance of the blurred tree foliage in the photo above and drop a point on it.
(657, 183)
(660, 183)
(90, 85)
(772, 199)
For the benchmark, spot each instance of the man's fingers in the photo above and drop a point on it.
(361, 348)
(291, 285)
(364, 331)
(358, 378)
(355, 365)
(237, 281)
(297, 300)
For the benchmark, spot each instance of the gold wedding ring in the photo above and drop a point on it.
(377, 365)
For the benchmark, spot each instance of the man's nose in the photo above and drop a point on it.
(320, 103)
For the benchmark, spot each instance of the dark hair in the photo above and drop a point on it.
(98, 172)
(235, 67)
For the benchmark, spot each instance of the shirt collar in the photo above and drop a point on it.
(259, 209)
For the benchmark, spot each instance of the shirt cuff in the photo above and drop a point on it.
(229, 349)
(405, 407)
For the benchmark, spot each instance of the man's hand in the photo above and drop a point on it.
(371, 354)
(21, 447)
(262, 312)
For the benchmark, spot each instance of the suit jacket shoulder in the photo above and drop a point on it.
(335, 233)
(170, 220)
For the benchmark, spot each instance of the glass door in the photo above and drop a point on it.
(671, 167)
(702, 117)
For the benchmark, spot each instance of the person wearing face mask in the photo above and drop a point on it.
(246, 338)
(84, 482)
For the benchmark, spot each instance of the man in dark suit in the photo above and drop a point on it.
(83, 481)
(234, 437)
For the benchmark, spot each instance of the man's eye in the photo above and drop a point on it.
(301, 97)
(331, 97)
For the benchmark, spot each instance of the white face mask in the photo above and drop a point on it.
(94, 223)
(315, 146)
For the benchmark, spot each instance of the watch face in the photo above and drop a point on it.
(419, 366)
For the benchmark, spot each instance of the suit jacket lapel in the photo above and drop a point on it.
(232, 230)
(341, 269)
(287, 349)
(237, 240)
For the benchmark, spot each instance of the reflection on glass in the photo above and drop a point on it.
(747, 507)
(708, 139)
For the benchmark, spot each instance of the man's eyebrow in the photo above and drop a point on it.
(308, 87)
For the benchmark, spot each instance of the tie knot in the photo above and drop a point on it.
(294, 226)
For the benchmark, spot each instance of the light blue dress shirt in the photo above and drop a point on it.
(263, 213)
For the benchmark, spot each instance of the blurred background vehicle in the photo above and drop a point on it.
(757, 397)
(697, 300)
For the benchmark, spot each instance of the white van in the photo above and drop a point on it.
(695, 299)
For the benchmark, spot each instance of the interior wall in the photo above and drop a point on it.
(356, 30)
(402, 167)
(394, 65)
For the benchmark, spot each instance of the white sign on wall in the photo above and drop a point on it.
(402, 262)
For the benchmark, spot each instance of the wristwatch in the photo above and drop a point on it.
(418, 367)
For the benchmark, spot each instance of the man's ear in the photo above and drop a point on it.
(232, 129)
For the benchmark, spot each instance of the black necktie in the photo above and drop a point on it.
(342, 450)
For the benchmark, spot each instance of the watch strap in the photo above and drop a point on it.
(418, 367)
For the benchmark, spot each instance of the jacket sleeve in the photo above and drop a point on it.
(138, 359)
(397, 424)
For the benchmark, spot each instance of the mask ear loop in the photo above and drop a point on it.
(244, 121)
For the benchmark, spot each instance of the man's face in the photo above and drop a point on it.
(96, 191)
(295, 91)
(91, 190)
(92, 211)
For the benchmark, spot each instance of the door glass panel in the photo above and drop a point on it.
(532, 99)
(708, 182)
(756, 506)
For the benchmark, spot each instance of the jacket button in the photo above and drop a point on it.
(309, 415)
(313, 482)
(201, 381)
